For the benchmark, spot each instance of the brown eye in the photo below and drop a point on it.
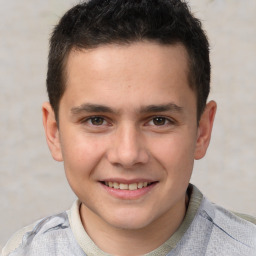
(159, 121)
(97, 120)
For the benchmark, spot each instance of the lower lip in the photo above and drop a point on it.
(129, 194)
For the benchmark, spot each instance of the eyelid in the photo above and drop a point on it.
(170, 120)
(88, 118)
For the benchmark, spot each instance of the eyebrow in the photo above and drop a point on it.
(91, 108)
(161, 108)
(97, 108)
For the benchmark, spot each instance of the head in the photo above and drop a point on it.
(96, 23)
(128, 83)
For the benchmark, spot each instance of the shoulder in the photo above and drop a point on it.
(247, 217)
(16, 240)
(229, 229)
(30, 236)
(225, 218)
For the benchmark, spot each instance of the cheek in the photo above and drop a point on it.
(175, 153)
(82, 153)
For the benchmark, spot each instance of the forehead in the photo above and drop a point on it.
(116, 71)
(147, 55)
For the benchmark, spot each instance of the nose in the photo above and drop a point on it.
(127, 148)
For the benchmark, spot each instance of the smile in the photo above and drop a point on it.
(122, 186)
(128, 190)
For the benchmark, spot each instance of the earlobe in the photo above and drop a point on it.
(205, 130)
(51, 131)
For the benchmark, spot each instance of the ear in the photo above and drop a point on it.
(51, 131)
(205, 130)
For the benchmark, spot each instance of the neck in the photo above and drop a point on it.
(124, 242)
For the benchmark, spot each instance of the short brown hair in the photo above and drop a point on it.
(98, 22)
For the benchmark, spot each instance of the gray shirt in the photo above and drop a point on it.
(207, 229)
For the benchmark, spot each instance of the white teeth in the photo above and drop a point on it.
(116, 185)
(123, 186)
(133, 186)
(140, 185)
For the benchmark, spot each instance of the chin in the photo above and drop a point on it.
(127, 225)
(130, 220)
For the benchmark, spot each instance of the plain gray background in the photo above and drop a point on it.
(32, 185)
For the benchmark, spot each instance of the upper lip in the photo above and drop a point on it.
(128, 181)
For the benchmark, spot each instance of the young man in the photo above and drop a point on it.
(128, 83)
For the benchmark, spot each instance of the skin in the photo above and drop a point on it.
(145, 130)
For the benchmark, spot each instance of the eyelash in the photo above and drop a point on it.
(94, 117)
(167, 121)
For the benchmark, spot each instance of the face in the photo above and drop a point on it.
(128, 132)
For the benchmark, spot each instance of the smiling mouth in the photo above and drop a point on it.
(123, 186)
